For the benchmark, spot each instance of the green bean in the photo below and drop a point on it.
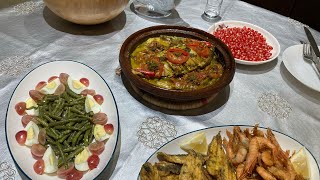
(71, 137)
(75, 110)
(84, 116)
(86, 137)
(58, 106)
(61, 153)
(42, 122)
(75, 138)
(64, 122)
(80, 138)
(70, 124)
(57, 133)
(91, 134)
(49, 139)
(51, 134)
(65, 132)
(65, 143)
(66, 97)
(55, 149)
(55, 117)
(48, 118)
(73, 154)
(70, 149)
(63, 138)
(67, 128)
(71, 93)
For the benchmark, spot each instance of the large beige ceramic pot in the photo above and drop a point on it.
(87, 11)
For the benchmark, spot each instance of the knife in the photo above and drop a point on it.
(312, 42)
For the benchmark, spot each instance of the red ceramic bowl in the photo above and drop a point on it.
(226, 59)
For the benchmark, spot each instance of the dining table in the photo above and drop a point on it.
(266, 94)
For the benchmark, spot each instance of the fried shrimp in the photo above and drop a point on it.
(255, 145)
(265, 174)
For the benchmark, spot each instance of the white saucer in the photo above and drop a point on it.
(303, 70)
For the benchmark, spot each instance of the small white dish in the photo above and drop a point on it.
(303, 70)
(21, 154)
(271, 40)
(286, 142)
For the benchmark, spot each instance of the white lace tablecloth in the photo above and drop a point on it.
(268, 94)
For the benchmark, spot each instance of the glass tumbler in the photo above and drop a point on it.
(212, 9)
(154, 8)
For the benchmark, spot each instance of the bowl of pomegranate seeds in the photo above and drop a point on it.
(249, 44)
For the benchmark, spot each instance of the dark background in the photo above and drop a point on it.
(305, 11)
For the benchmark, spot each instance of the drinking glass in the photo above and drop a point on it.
(154, 8)
(212, 9)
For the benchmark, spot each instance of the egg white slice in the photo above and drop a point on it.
(31, 103)
(92, 105)
(50, 161)
(32, 134)
(51, 87)
(75, 85)
(81, 160)
(99, 133)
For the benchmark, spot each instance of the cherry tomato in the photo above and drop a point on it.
(37, 151)
(20, 108)
(93, 161)
(36, 95)
(147, 73)
(100, 118)
(202, 48)
(109, 128)
(42, 136)
(21, 137)
(26, 119)
(98, 98)
(85, 81)
(96, 147)
(62, 172)
(52, 78)
(74, 175)
(40, 85)
(91, 92)
(63, 77)
(177, 55)
(38, 166)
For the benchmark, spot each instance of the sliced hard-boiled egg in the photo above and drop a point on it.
(100, 133)
(50, 161)
(75, 85)
(31, 103)
(32, 134)
(92, 105)
(81, 160)
(51, 87)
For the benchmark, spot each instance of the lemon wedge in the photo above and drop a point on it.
(197, 142)
(300, 163)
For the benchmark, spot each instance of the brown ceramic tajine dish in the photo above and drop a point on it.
(176, 63)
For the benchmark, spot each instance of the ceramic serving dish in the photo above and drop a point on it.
(225, 58)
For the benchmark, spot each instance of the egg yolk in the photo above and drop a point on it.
(51, 158)
(77, 85)
(82, 157)
(30, 133)
(30, 103)
(99, 131)
(51, 85)
(90, 103)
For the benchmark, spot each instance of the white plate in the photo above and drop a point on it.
(21, 154)
(303, 70)
(286, 142)
(271, 40)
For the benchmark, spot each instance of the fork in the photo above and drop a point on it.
(307, 54)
